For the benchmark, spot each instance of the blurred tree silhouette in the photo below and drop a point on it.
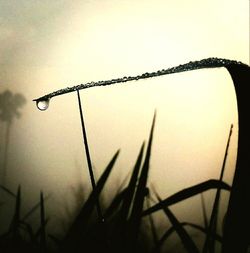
(9, 105)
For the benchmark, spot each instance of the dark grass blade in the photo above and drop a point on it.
(171, 230)
(204, 212)
(34, 209)
(8, 191)
(87, 152)
(122, 184)
(151, 222)
(209, 244)
(135, 218)
(78, 228)
(216, 236)
(187, 193)
(140, 192)
(115, 203)
(237, 224)
(132, 186)
(14, 227)
(43, 243)
(186, 240)
(40, 230)
(29, 230)
(54, 239)
(124, 200)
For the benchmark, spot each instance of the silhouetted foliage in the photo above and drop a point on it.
(9, 109)
(10, 104)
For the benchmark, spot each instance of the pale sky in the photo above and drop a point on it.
(48, 45)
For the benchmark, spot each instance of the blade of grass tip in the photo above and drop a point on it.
(187, 193)
(79, 225)
(186, 240)
(209, 244)
(43, 224)
(16, 218)
(135, 217)
(85, 141)
(132, 186)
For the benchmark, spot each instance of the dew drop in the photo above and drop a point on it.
(42, 105)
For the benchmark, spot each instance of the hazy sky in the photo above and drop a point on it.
(48, 45)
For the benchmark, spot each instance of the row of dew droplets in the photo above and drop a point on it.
(43, 102)
(42, 105)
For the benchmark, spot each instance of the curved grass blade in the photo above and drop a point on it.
(216, 236)
(193, 65)
(186, 240)
(171, 230)
(187, 193)
(28, 229)
(237, 225)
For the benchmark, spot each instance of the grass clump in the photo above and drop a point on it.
(121, 226)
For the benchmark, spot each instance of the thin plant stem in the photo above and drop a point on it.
(209, 245)
(85, 141)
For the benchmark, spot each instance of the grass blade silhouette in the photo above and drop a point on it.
(87, 152)
(204, 212)
(43, 243)
(171, 230)
(237, 223)
(209, 244)
(135, 217)
(8, 191)
(14, 227)
(187, 241)
(75, 235)
(34, 209)
(115, 203)
(187, 193)
(151, 222)
(130, 191)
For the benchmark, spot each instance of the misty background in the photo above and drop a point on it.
(48, 45)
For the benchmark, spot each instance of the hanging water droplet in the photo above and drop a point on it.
(42, 105)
